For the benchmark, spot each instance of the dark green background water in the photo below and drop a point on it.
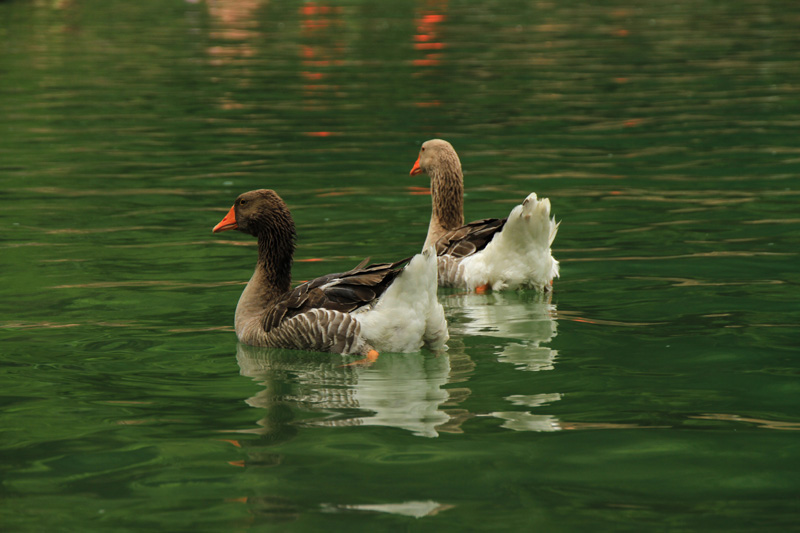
(657, 390)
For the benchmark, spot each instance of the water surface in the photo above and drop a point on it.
(654, 389)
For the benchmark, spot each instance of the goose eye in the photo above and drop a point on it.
(423, 149)
(242, 202)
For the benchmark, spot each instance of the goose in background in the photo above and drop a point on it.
(492, 253)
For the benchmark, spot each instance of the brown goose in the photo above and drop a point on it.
(384, 306)
(508, 253)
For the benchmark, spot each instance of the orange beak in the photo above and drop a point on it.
(229, 222)
(416, 168)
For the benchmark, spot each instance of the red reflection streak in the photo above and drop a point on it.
(427, 37)
(320, 28)
(428, 46)
(433, 18)
(431, 61)
(313, 8)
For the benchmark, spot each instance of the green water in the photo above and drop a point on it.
(656, 391)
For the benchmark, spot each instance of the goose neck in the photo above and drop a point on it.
(447, 194)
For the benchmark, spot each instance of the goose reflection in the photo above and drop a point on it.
(413, 392)
(526, 421)
(525, 320)
(404, 391)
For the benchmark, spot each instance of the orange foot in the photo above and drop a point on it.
(371, 357)
(482, 289)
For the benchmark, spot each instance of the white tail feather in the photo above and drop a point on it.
(519, 256)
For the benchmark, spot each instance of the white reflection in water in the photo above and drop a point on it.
(417, 509)
(528, 318)
(536, 400)
(414, 392)
(399, 390)
(525, 421)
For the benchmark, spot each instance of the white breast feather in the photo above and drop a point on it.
(408, 314)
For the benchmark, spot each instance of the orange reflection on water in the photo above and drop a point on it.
(575, 317)
(760, 422)
(311, 10)
(427, 37)
(419, 191)
(322, 48)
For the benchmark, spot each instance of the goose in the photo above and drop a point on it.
(381, 307)
(496, 254)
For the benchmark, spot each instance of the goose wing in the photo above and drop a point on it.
(469, 239)
(342, 291)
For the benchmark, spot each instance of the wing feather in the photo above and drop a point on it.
(343, 291)
(470, 238)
